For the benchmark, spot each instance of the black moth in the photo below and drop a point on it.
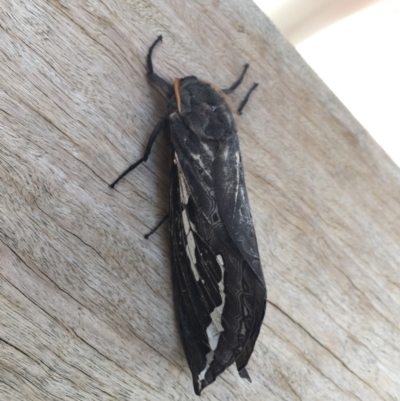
(220, 293)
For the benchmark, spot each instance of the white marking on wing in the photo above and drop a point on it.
(199, 160)
(237, 155)
(183, 186)
(207, 149)
(187, 225)
(191, 245)
(209, 359)
(215, 328)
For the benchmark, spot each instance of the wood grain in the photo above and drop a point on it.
(86, 302)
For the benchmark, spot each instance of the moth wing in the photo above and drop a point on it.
(198, 281)
(233, 203)
(234, 207)
(215, 177)
(219, 326)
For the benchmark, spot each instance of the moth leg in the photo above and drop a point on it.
(157, 129)
(157, 226)
(246, 98)
(161, 82)
(237, 82)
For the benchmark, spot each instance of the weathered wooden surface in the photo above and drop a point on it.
(86, 303)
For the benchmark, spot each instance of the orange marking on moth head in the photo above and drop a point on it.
(177, 93)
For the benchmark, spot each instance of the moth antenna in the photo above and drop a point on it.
(246, 98)
(237, 82)
(149, 54)
(161, 82)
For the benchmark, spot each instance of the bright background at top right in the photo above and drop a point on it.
(354, 46)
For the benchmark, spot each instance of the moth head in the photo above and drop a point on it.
(204, 107)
